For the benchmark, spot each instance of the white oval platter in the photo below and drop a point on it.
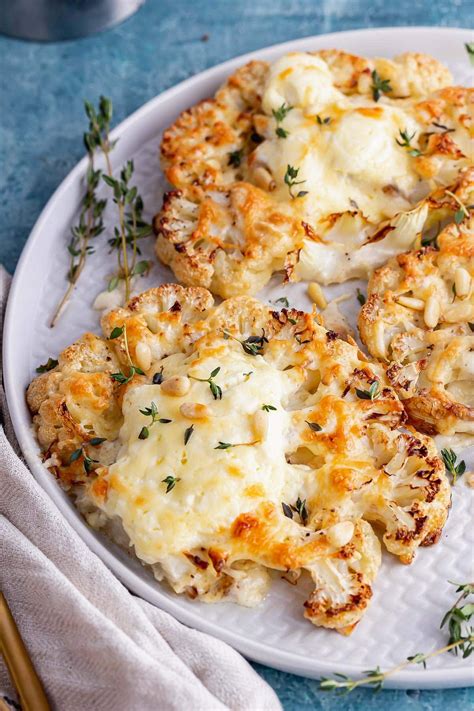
(408, 602)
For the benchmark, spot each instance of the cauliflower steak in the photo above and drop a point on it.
(228, 444)
(419, 316)
(287, 167)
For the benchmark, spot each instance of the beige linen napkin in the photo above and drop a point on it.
(95, 645)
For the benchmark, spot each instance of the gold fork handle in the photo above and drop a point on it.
(19, 664)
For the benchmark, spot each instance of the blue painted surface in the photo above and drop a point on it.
(41, 121)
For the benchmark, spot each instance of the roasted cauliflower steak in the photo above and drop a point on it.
(286, 169)
(234, 443)
(419, 317)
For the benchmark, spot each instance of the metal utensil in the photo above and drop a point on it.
(19, 664)
(49, 20)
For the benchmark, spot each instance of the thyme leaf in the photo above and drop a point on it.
(152, 412)
(406, 143)
(449, 459)
(81, 453)
(170, 482)
(279, 115)
(470, 51)
(116, 332)
(188, 434)
(49, 365)
(371, 394)
(215, 389)
(120, 377)
(253, 345)
(224, 445)
(301, 510)
(235, 158)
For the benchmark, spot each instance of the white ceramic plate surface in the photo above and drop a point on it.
(408, 602)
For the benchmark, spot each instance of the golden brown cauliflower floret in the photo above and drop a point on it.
(418, 317)
(410, 74)
(79, 401)
(75, 403)
(231, 241)
(208, 142)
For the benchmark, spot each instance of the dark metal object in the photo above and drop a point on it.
(49, 20)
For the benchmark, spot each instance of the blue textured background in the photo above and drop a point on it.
(42, 87)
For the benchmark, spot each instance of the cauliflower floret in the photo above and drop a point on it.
(417, 317)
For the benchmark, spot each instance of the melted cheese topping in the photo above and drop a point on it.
(213, 486)
(344, 163)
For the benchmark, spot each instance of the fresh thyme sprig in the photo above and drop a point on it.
(90, 223)
(253, 345)
(449, 459)
(215, 389)
(120, 377)
(279, 115)
(228, 445)
(457, 615)
(371, 394)
(130, 229)
(151, 412)
(80, 452)
(406, 143)
(360, 297)
(268, 408)
(99, 129)
(290, 180)
(461, 638)
(379, 86)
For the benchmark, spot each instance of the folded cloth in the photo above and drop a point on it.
(94, 644)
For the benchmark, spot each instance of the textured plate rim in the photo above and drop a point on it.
(256, 651)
